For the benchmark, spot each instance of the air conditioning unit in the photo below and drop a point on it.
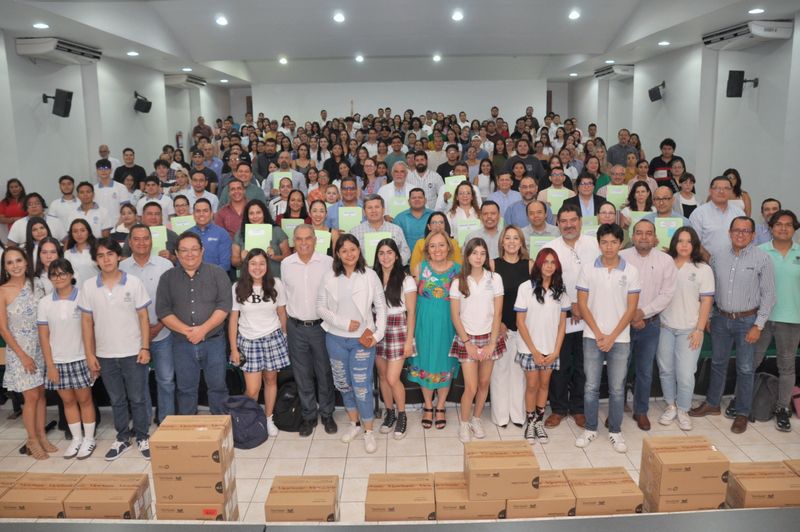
(57, 50)
(183, 81)
(749, 34)
(612, 72)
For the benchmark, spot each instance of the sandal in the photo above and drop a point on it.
(441, 423)
(47, 446)
(35, 450)
(427, 423)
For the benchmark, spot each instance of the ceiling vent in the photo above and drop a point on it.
(749, 34)
(57, 50)
(183, 81)
(612, 72)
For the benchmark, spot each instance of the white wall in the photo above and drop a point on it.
(303, 101)
(620, 108)
(215, 102)
(559, 92)
(583, 101)
(8, 147)
(238, 99)
(178, 116)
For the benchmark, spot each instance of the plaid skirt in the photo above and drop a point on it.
(71, 376)
(458, 349)
(268, 353)
(525, 360)
(394, 339)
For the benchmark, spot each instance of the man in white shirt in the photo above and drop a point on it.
(105, 153)
(284, 165)
(712, 220)
(372, 142)
(398, 188)
(152, 192)
(426, 179)
(63, 207)
(374, 210)
(98, 218)
(437, 155)
(109, 194)
(199, 183)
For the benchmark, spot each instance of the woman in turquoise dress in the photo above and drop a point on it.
(432, 368)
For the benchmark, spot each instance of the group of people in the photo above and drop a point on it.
(526, 261)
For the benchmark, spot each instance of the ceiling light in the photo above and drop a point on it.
(283, 61)
(186, 69)
(610, 61)
(223, 81)
(338, 17)
(664, 43)
(41, 26)
(573, 74)
(437, 58)
(457, 15)
(359, 58)
(132, 53)
(756, 11)
(574, 14)
(222, 21)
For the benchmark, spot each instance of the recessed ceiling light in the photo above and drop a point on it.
(574, 14)
(457, 15)
(132, 53)
(610, 61)
(283, 61)
(359, 58)
(186, 69)
(573, 74)
(437, 58)
(338, 17)
(41, 26)
(664, 43)
(223, 81)
(756, 11)
(222, 21)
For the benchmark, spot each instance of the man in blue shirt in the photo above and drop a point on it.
(516, 213)
(349, 188)
(413, 220)
(216, 241)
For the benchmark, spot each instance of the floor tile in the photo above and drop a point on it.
(362, 467)
(324, 466)
(283, 466)
(250, 467)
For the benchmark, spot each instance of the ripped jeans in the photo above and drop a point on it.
(351, 365)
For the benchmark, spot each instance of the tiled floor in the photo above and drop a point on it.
(421, 451)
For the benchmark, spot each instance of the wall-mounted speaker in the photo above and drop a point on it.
(655, 93)
(62, 102)
(735, 84)
(142, 106)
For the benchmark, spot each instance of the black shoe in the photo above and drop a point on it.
(782, 422)
(388, 421)
(401, 426)
(730, 412)
(307, 428)
(330, 425)
(67, 435)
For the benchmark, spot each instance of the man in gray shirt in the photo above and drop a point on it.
(490, 217)
(618, 153)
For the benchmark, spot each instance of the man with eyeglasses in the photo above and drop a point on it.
(712, 220)
(215, 239)
(745, 295)
(663, 202)
(349, 189)
(193, 300)
(586, 200)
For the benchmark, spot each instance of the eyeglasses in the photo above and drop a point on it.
(585, 184)
(661, 199)
(190, 251)
(348, 188)
(59, 275)
(741, 231)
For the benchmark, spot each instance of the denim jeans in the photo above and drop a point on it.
(787, 338)
(310, 365)
(351, 365)
(126, 383)
(568, 382)
(164, 364)
(617, 366)
(725, 333)
(644, 344)
(208, 355)
(677, 364)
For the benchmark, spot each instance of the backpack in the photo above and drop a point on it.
(287, 414)
(765, 396)
(249, 421)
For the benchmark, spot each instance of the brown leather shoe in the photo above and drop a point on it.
(703, 410)
(641, 421)
(739, 424)
(553, 420)
(579, 419)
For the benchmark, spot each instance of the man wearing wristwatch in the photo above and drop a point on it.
(745, 294)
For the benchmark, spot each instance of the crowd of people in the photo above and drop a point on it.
(525, 259)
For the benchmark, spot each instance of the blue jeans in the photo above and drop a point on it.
(644, 344)
(208, 355)
(352, 365)
(725, 333)
(677, 364)
(617, 366)
(126, 383)
(164, 364)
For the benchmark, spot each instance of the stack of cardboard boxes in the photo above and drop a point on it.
(764, 484)
(193, 471)
(604, 491)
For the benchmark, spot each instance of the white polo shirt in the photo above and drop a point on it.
(258, 315)
(542, 319)
(192, 196)
(149, 274)
(477, 310)
(608, 295)
(116, 323)
(85, 268)
(694, 281)
(17, 232)
(63, 318)
(162, 199)
(111, 196)
(63, 209)
(586, 250)
(98, 218)
(409, 285)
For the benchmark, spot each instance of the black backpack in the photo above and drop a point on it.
(765, 396)
(249, 421)
(287, 414)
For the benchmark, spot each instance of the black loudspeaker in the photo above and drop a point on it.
(63, 103)
(142, 106)
(735, 84)
(655, 94)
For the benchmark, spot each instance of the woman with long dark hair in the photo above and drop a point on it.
(36, 230)
(739, 197)
(255, 212)
(12, 206)
(295, 208)
(485, 180)
(640, 199)
(332, 164)
(49, 249)
(542, 305)
(80, 243)
(257, 330)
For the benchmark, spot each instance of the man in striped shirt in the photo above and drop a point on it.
(745, 294)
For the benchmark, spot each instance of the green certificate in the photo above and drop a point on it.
(556, 197)
(323, 242)
(635, 216)
(617, 194)
(665, 229)
(288, 225)
(589, 220)
(349, 217)
(455, 180)
(465, 227)
(158, 233)
(257, 236)
(397, 205)
(277, 176)
(589, 229)
(181, 224)
(371, 245)
(535, 244)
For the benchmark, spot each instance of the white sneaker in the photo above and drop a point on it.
(74, 448)
(272, 430)
(669, 415)
(351, 433)
(370, 445)
(586, 438)
(684, 421)
(144, 448)
(617, 442)
(87, 448)
(477, 428)
(464, 432)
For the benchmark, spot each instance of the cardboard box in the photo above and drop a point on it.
(192, 446)
(680, 465)
(604, 491)
(311, 498)
(189, 487)
(227, 510)
(501, 470)
(556, 499)
(794, 465)
(400, 497)
(8, 480)
(453, 502)
(763, 485)
(39, 495)
(683, 503)
(110, 497)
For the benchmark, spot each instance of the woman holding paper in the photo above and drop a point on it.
(640, 200)
(348, 296)
(437, 222)
(371, 182)
(465, 207)
(295, 209)
(274, 242)
(317, 213)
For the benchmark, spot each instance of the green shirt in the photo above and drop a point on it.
(787, 283)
